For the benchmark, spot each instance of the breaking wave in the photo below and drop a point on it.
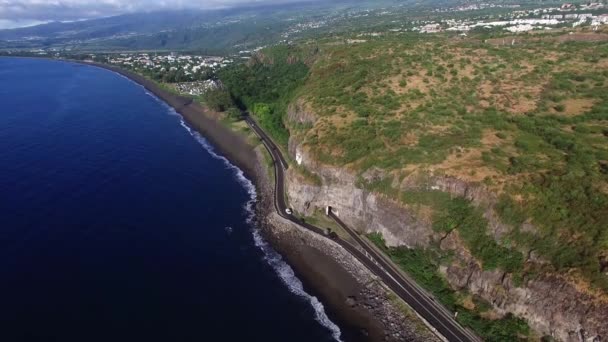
(285, 272)
(274, 259)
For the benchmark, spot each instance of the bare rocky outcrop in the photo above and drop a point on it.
(299, 112)
(366, 211)
(552, 304)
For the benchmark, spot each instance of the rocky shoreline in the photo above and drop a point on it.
(353, 296)
(357, 298)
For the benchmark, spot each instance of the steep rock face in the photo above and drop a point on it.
(349, 288)
(551, 304)
(299, 113)
(365, 211)
(476, 193)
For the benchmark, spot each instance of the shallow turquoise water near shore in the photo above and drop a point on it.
(120, 224)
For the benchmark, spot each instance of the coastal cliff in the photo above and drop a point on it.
(552, 304)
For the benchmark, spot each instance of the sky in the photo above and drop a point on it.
(20, 13)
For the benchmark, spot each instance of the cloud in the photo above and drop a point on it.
(8, 24)
(24, 12)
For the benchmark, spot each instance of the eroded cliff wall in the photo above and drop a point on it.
(552, 304)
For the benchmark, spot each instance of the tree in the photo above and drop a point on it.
(218, 100)
(234, 113)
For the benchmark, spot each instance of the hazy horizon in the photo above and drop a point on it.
(24, 13)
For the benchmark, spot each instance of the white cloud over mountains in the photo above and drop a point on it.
(15, 13)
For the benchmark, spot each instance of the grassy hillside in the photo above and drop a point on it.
(527, 117)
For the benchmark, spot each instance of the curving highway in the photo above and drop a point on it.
(424, 304)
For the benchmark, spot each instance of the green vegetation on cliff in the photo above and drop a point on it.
(522, 126)
(460, 215)
(422, 265)
(218, 100)
(527, 120)
(266, 85)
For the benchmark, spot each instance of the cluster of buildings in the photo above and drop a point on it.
(524, 20)
(188, 64)
(305, 26)
(247, 53)
(332, 19)
(515, 25)
(566, 7)
(197, 88)
(474, 7)
(567, 13)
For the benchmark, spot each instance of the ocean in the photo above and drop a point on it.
(120, 223)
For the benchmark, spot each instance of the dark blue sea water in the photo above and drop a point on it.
(117, 223)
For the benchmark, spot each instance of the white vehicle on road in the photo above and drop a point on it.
(288, 211)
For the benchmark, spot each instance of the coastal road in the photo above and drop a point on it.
(424, 304)
(405, 287)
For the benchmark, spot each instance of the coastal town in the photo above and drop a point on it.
(463, 18)
(567, 15)
(197, 88)
(180, 68)
(192, 75)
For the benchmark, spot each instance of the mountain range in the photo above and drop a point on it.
(201, 30)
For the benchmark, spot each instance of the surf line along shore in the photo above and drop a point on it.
(353, 297)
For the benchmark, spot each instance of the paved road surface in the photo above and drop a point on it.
(434, 313)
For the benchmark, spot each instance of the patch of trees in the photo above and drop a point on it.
(459, 214)
(218, 100)
(271, 121)
(266, 86)
(267, 83)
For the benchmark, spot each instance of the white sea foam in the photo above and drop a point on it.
(285, 272)
(274, 259)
